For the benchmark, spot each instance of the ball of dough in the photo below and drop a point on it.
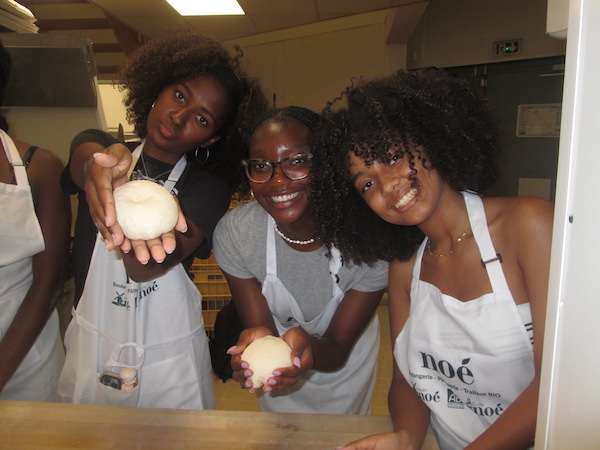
(264, 355)
(145, 210)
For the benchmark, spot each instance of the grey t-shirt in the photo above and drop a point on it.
(239, 244)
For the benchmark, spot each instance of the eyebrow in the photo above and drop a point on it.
(294, 147)
(355, 177)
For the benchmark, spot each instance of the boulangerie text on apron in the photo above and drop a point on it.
(36, 377)
(347, 390)
(468, 361)
(155, 328)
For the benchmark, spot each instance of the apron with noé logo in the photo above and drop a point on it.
(468, 361)
(36, 377)
(347, 390)
(154, 327)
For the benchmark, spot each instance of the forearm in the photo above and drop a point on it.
(410, 415)
(28, 323)
(515, 428)
(328, 355)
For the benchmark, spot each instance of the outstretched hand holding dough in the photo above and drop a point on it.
(145, 210)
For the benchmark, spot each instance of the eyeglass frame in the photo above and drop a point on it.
(246, 162)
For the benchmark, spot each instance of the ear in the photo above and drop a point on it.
(210, 142)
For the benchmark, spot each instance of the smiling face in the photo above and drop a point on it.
(284, 199)
(185, 115)
(397, 192)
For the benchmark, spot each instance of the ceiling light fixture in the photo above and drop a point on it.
(206, 7)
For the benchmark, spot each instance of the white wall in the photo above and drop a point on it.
(570, 392)
(312, 64)
(462, 32)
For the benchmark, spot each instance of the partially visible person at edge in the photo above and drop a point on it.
(403, 164)
(35, 224)
(284, 282)
(189, 102)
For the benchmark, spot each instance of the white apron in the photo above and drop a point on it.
(468, 361)
(155, 327)
(37, 376)
(347, 390)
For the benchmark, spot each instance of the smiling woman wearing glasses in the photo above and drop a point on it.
(285, 283)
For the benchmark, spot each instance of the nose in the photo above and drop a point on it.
(179, 116)
(278, 175)
(389, 182)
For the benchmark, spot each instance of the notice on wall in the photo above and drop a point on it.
(539, 120)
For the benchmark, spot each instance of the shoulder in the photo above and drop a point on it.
(44, 163)
(92, 135)
(196, 177)
(520, 221)
(401, 271)
(243, 219)
(521, 212)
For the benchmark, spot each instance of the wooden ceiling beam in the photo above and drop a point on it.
(129, 39)
(72, 24)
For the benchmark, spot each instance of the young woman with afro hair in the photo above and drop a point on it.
(396, 175)
(137, 312)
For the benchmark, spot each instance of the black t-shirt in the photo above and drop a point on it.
(203, 198)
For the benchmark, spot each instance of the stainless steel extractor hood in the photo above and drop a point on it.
(50, 70)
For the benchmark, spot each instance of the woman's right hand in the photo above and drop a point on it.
(241, 370)
(104, 172)
(383, 441)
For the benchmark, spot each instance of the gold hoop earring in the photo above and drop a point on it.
(205, 158)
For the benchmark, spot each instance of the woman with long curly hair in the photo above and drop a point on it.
(401, 164)
(137, 313)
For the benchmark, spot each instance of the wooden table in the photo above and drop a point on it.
(28, 425)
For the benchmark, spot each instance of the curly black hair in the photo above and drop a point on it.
(184, 55)
(425, 114)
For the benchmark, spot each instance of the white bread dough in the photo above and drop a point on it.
(264, 355)
(145, 210)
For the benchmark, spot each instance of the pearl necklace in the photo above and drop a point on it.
(441, 255)
(293, 241)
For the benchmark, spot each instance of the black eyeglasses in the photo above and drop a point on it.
(295, 167)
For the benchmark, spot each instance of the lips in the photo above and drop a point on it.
(406, 198)
(166, 131)
(284, 198)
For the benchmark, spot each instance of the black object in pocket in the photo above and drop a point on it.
(227, 329)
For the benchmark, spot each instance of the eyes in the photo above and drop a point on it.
(181, 99)
(365, 179)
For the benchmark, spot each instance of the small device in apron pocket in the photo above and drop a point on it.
(119, 383)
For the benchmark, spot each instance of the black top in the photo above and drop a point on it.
(203, 198)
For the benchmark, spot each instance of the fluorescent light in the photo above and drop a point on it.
(206, 7)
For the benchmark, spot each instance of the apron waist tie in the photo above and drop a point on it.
(85, 324)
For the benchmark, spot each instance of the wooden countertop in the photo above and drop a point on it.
(63, 426)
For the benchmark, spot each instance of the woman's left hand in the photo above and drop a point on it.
(302, 360)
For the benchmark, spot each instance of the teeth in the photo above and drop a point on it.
(284, 198)
(407, 198)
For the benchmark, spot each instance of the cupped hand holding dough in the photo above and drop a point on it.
(264, 355)
(145, 210)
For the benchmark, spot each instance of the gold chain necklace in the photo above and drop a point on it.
(441, 255)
